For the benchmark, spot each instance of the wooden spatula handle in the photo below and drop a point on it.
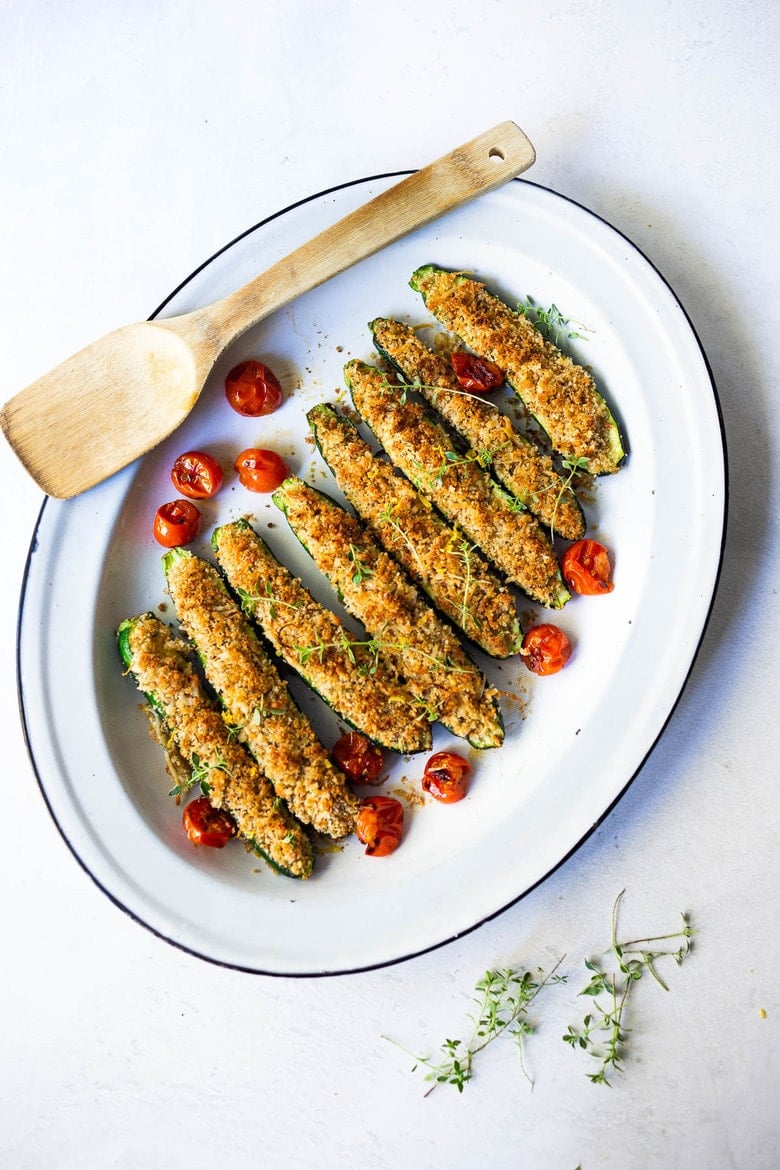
(479, 166)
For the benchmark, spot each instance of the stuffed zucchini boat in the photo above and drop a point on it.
(437, 556)
(191, 728)
(522, 468)
(257, 703)
(464, 493)
(375, 590)
(360, 685)
(560, 394)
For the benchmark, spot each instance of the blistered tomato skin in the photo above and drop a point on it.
(475, 374)
(176, 523)
(260, 470)
(586, 568)
(253, 389)
(197, 475)
(446, 777)
(206, 825)
(379, 825)
(546, 649)
(360, 760)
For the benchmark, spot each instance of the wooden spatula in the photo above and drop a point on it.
(125, 393)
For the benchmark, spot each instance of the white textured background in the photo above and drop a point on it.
(135, 140)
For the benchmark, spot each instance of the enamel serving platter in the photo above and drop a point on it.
(574, 740)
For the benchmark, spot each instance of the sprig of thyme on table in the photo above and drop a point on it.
(505, 996)
(604, 1033)
(503, 1000)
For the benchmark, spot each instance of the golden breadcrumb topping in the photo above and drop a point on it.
(439, 557)
(375, 590)
(257, 702)
(560, 394)
(460, 488)
(163, 668)
(364, 689)
(524, 470)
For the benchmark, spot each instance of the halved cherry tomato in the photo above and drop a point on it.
(261, 471)
(379, 824)
(206, 825)
(359, 759)
(446, 777)
(546, 649)
(196, 474)
(586, 568)
(476, 374)
(176, 523)
(253, 389)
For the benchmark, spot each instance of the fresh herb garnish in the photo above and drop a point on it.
(200, 775)
(604, 1033)
(572, 467)
(551, 322)
(361, 572)
(503, 1000)
(505, 996)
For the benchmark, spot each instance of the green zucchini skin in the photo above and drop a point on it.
(377, 592)
(365, 691)
(512, 540)
(432, 552)
(236, 779)
(512, 458)
(560, 394)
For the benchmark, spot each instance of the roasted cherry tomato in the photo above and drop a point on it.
(253, 389)
(196, 474)
(586, 568)
(359, 759)
(261, 471)
(546, 649)
(446, 777)
(379, 824)
(206, 825)
(476, 374)
(176, 523)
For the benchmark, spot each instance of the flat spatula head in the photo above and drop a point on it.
(103, 407)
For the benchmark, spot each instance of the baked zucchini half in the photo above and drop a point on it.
(256, 701)
(509, 536)
(346, 671)
(525, 471)
(190, 727)
(438, 557)
(376, 591)
(560, 394)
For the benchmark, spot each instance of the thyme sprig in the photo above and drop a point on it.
(362, 572)
(604, 1033)
(505, 996)
(386, 517)
(375, 648)
(201, 771)
(250, 601)
(572, 467)
(420, 387)
(503, 1000)
(465, 552)
(431, 480)
(513, 503)
(551, 322)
